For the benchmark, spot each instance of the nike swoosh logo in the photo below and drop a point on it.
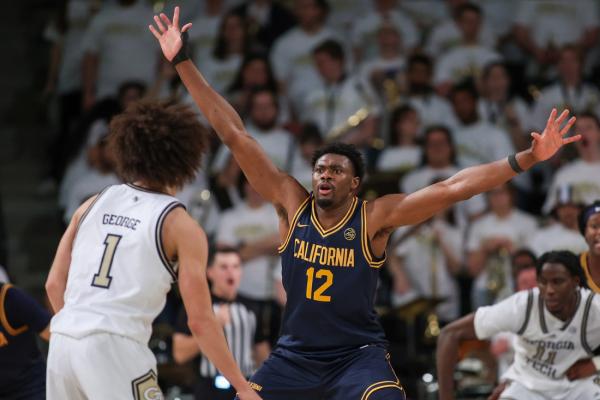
(299, 225)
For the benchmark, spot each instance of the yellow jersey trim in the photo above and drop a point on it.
(584, 264)
(371, 259)
(326, 232)
(283, 245)
(3, 319)
(383, 384)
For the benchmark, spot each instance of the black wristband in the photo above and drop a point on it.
(183, 53)
(512, 161)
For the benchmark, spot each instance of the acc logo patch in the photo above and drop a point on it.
(146, 387)
(349, 234)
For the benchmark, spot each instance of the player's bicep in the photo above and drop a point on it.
(191, 248)
(59, 270)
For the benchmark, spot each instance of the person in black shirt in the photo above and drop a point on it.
(22, 367)
(243, 335)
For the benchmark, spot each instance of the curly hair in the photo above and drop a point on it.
(347, 150)
(159, 143)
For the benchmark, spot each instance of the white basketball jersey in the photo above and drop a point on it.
(546, 347)
(119, 274)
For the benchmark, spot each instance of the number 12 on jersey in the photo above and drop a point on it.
(102, 278)
(318, 294)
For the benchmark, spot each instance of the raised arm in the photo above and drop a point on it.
(391, 211)
(274, 185)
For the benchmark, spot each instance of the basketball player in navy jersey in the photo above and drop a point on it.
(332, 346)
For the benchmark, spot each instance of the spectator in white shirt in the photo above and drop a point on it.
(439, 162)
(563, 234)
(117, 49)
(492, 240)
(581, 174)
(364, 33)
(570, 91)
(543, 26)
(385, 73)
(252, 227)
(262, 124)
(500, 108)
(206, 27)
(447, 33)
(254, 73)
(467, 59)
(291, 55)
(477, 141)
(338, 98)
(432, 108)
(403, 153)
(425, 263)
(231, 44)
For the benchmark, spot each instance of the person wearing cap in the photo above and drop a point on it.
(564, 233)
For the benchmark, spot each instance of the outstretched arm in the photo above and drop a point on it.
(396, 210)
(447, 352)
(274, 185)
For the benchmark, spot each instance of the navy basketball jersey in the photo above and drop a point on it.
(330, 276)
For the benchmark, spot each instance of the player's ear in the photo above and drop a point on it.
(355, 183)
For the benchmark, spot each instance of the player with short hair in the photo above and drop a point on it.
(556, 324)
(333, 244)
(118, 257)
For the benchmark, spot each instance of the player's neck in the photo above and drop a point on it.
(154, 188)
(330, 216)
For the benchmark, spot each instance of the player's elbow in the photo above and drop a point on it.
(199, 324)
(235, 137)
(52, 287)
(456, 190)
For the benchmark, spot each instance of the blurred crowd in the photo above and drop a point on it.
(423, 88)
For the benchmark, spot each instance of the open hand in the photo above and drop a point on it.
(169, 37)
(545, 145)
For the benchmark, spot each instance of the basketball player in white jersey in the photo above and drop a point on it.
(117, 259)
(556, 325)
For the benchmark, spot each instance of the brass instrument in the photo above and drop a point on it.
(351, 122)
(432, 331)
(496, 272)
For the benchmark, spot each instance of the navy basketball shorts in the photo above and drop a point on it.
(361, 374)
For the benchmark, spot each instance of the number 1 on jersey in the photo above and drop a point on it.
(102, 278)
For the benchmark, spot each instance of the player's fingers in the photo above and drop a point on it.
(571, 139)
(563, 115)
(165, 19)
(176, 17)
(552, 116)
(568, 126)
(154, 31)
(159, 24)
(186, 27)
